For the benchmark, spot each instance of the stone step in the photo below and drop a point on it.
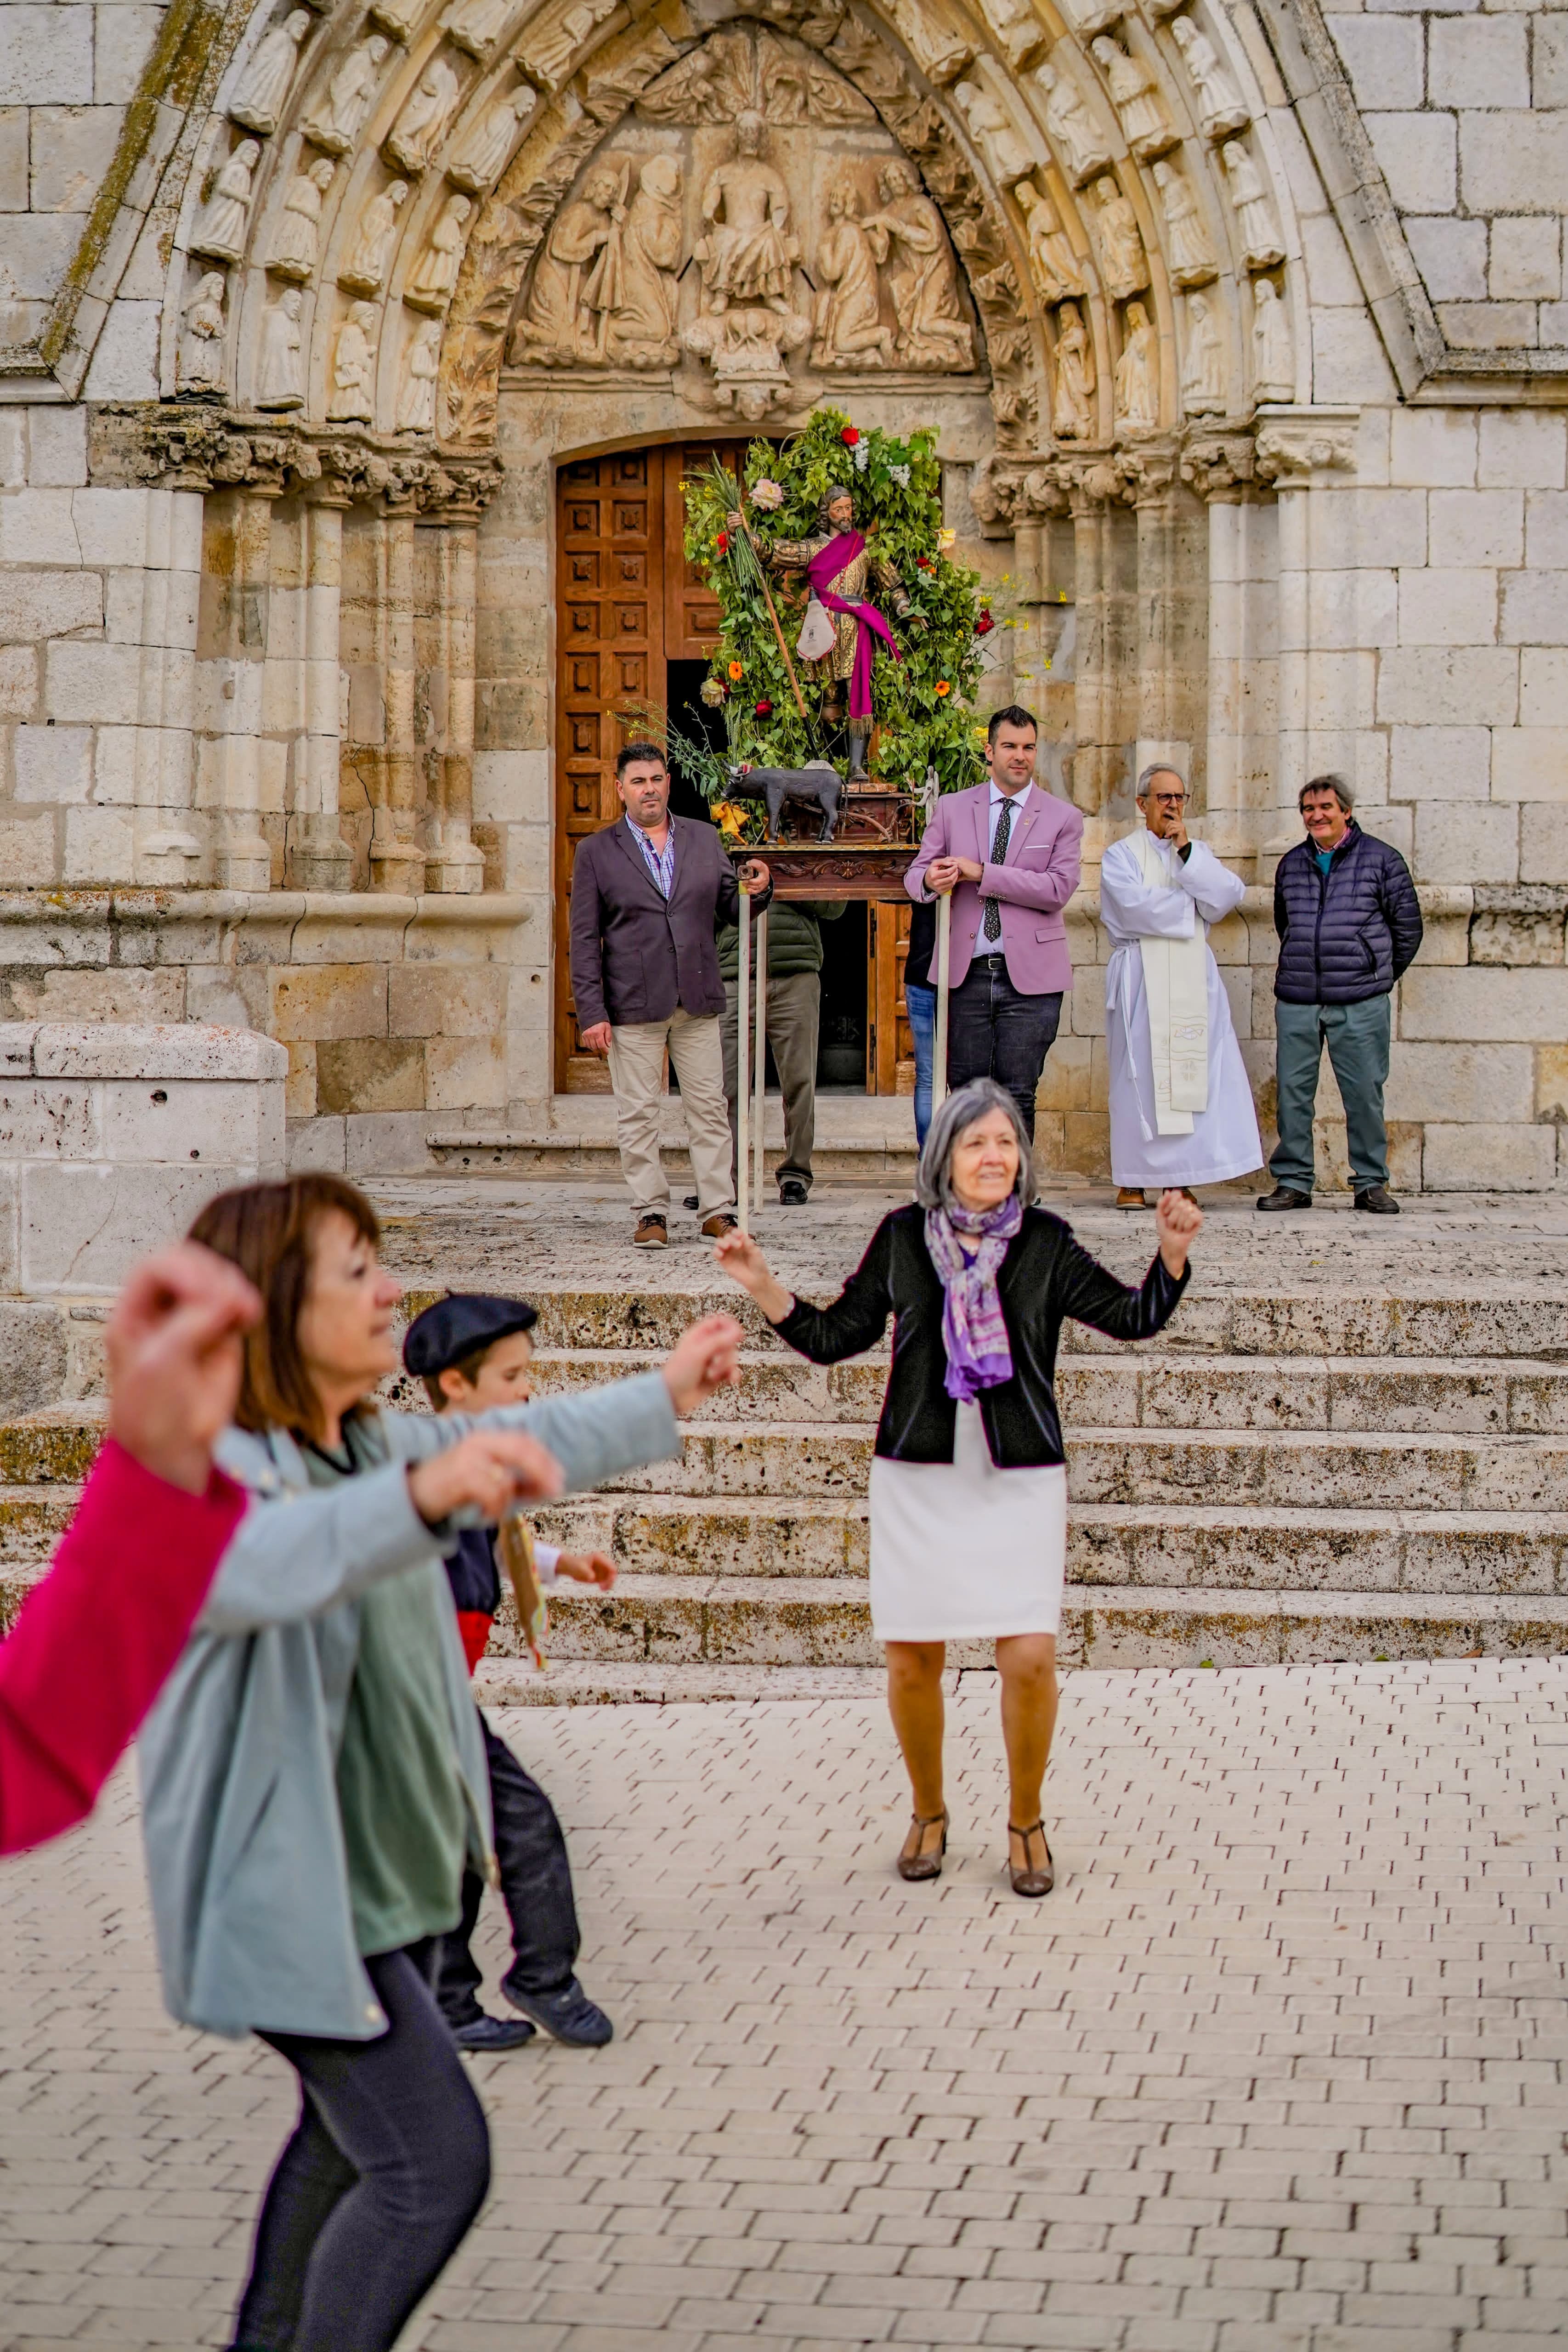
(511, 1681)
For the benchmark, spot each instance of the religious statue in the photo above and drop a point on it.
(263, 89)
(559, 323)
(220, 231)
(1203, 378)
(280, 367)
(941, 52)
(1192, 256)
(551, 55)
(1135, 94)
(1259, 231)
(1053, 264)
(1221, 107)
(747, 254)
(1137, 381)
(419, 129)
(1077, 136)
(838, 561)
(435, 275)
(1072, 406)
(642, 331)
(746, 349)
(1017, 28)
(352, 398)
(365, 271)
(334, 123)
(1273, 361)
(1005, 154)
(476, 25)
(922, 283)
(298, 234)
(483, 156)
(201, 343)
(421, 367)
(1124, 264)
(847, 321)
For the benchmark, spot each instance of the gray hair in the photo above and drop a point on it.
(933, 1184)
(1335, 785)
(1157, 768)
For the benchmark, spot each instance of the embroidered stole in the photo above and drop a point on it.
(1176, 992)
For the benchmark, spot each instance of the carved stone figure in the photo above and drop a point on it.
(714, 84)
(1053, 264)
(220, 231)
(551, 54)
(1005, 154)
(560, 324)
(1193, 259)
(1137, 380)
(334, 122)
(421, 366)
(1203, 378)
(433, 277)
(1124, 264)
(280, 365)
(475, 24)
(201, 342)
(298, 234)
(1072, 404)
(483, 156)
(352, 400)
(1273, 360)
(746, 349)
(1135, 94)
(841, 563)
(748, 253)
(922, 281)
(642, 322)
(796, 87)
(848, 319)
(1221, 107)
(1260, 242)
(423, 123)
(1077, 138)
(1017, 28)
(940, 51)
(263, 89)
(1088, 17)
(365, 271)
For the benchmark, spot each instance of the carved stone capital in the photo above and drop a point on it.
(1219, 465)
(1295, 444)
(1149, 472)
(1093, 483)
(192, 448)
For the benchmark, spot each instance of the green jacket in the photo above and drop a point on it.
(795, 942)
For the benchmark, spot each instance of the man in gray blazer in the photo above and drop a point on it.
(648, 895)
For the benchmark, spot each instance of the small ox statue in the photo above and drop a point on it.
(818, 785)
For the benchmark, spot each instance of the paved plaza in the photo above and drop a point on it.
(1277, 2068)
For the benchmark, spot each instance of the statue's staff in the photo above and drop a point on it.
(737, 524)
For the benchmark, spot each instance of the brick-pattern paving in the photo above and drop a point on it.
(1277, 2069)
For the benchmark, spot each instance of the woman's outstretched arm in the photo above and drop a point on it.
(855, 1321)
(1092, 1294)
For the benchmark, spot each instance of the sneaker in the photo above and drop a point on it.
(652, 1232)
(1378, 1201)
(488, 2036)
(568, 2015)
(720, 1222)
(1282, 1197)
(793, 1193)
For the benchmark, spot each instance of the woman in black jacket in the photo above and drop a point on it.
(969, 1483)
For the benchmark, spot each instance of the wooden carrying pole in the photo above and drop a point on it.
(762, 1079)
(742, 1040)
(943, 956)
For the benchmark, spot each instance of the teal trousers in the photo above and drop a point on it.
(1357, 1038)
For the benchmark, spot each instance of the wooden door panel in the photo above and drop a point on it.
(889, 1047)
(691, 608)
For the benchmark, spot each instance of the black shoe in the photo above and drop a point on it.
(488, 2036)
(568, 2015)
(1378, 1202)
(692, 1202)
(1282, 1197)
(793, 1193)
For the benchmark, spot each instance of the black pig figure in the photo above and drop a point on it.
(819, 784)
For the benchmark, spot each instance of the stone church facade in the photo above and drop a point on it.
(349, 359)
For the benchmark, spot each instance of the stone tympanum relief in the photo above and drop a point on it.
(848, 319)
(1221, 107)
(334, 120)
(263, 91)
(220, 231)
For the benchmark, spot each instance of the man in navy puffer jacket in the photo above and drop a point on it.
(1345, 909)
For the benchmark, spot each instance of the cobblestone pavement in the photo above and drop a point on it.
(1279, 2067)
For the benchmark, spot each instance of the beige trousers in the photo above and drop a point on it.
(637, 1075)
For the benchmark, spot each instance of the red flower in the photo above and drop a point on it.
(850, 436)
(924, 563)
(722, 543)
(984, 625)
(764, 708)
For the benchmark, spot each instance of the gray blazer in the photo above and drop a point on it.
(238, 1758)
(636, 957)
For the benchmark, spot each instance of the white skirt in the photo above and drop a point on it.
(961, 1549)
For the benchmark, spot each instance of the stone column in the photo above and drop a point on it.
(1171, 613)
(237, 538)
(1106, 587)
(1296, 453)
(454, 863)
(1221, 473)
(319, 857)
(397, 854)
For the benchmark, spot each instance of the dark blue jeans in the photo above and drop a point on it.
(994, 1031)
(536, 1887)
(921, 1003)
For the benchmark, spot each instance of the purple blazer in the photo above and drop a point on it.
(1032, 884)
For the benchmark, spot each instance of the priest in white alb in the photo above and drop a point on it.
(1181, 1108)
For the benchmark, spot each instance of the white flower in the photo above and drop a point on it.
(712, 692)
(900, 475)
(768, 495)
(862, 456)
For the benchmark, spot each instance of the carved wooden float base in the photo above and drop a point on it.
(829, 869)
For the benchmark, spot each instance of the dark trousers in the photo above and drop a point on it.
(388, 2165)
(994, 1031)
(536, 1887)
(791, 1016)
(1357, 1037)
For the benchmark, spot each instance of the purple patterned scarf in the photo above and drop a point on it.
(973, 1331)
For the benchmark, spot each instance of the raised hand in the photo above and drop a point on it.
(175, 1348)
(491, 1470)
(1177, 1223)
(738, 1255)
(702, 1360)
(587, 1568)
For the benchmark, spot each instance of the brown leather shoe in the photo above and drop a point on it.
(1131, 1196)
(719, 1224)
(652, 1232)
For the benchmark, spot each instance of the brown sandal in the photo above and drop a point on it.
(918, 1865)
(1030, 1881)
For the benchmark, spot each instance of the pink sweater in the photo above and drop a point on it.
(95, 1642)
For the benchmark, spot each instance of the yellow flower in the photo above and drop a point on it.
(735, 670)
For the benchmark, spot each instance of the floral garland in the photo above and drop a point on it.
(924, 705)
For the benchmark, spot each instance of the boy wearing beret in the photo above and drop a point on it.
(473, 1351)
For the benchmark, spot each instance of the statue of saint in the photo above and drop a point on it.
(334, 123)
(296, 238)
(220, 231)
(1260, 245)
(281, 370)
(748, 254)
(846, 321)
(365, 269)
(1073, 408)
(1135, 94)
(1137, 390)
(1124, 263)
(423, 123)
(421, 366)
(642, 324)
(483, 156)
(1273, 360)
(1077, 135)
(1053, 264)
(264, 85)
(1221, 107)
(922, 281)
(1203, 378)
(353, 368)
(434, 273)
(201, 345)
(1192, 256)
(558, 324)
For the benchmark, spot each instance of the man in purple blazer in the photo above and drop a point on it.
(1010, 854)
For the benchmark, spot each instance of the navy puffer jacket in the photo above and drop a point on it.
(1348, 934)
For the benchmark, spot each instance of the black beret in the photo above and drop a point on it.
(458, 1326)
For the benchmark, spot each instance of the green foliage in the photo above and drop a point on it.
(924, 704)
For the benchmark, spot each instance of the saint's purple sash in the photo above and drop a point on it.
(826, 565)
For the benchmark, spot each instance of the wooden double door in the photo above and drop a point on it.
(628, 607)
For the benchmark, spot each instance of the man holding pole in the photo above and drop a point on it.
(1008, 853)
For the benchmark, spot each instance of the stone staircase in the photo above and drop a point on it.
(1287, 1473)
